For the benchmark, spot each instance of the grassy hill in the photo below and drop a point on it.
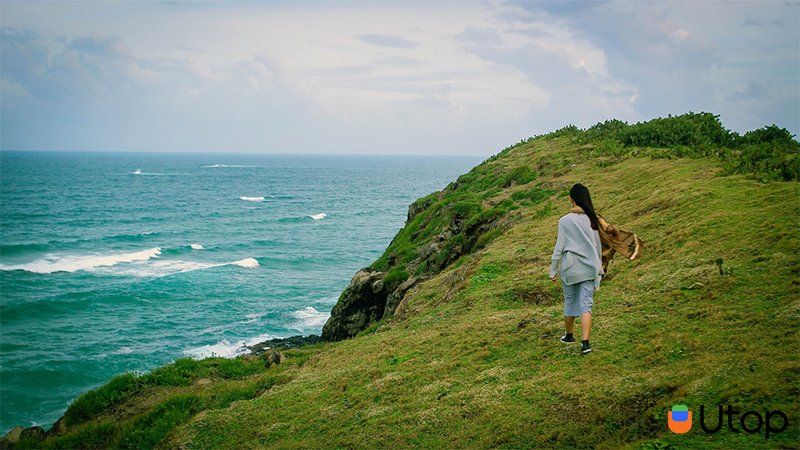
(471, 358)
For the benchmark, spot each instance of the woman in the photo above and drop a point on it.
(579, 251)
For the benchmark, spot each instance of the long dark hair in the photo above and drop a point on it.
(580, 194)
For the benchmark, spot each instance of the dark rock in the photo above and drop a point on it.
(11, 438)
(283, 343)
(417, 207)
(57, 428)
(33, 434)
(274, 357)
(397, 295)
(17, 434)
(361, 303)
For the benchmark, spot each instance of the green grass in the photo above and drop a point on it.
(472, 358)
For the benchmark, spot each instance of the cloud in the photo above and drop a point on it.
(384, 40)
(420, 77)
(753, 90)
(750, 21)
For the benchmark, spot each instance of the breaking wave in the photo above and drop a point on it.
(51, 264)
(226, 348)
(310, 317)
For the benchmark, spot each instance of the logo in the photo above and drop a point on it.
(679, 419)
(751, 422)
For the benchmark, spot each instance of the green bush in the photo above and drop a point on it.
(768, 153)
(520, 175)
(94, 402)
(532, 196)
(395, 276)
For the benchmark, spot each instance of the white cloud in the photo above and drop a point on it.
(416, 77)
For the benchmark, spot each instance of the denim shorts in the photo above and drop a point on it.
(578, 298)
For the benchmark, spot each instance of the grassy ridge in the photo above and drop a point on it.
(472, 359)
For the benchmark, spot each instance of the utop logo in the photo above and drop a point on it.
(679, 419)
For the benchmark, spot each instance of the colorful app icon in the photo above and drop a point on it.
(679, 419)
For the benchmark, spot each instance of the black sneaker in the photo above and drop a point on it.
(585, 347)
(567, 338)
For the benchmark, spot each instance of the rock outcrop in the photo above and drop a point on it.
(367, 299)
(362, 302)
(283, 343)
(444, 234)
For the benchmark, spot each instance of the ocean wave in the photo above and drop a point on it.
(119, 351)
(252, 199)
(319, 216)
(145, 263)
(56, 245)
(252, 318)
(230, 166)
(226, 348)
(167, 267)
(248, 263)
(310, 317)
(162, 268)
(53, 263)
(139, 172)
(196, 246)
(21, 249)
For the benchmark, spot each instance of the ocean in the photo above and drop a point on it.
(117, 262)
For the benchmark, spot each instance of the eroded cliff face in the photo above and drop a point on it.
(361, 303)
(367, 299)
(438, 230)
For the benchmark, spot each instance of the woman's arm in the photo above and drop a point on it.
(599, 246)
(558, 251)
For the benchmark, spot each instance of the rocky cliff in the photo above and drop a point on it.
(437, 232)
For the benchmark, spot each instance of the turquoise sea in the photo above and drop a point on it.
(115, 262)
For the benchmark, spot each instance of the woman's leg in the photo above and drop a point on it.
(569, 322)
(586, 325)
(571, 305)
(586, 302)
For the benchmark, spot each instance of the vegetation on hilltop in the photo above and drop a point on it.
(471, 358)
(471, 212)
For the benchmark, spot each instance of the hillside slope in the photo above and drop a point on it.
(468, 355)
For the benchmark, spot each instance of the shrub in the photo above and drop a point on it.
(395, 277)
(94, 402)
(520, 175)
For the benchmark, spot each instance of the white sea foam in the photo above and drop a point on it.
(226, 348)
(196, 247)
(216, 166)
(319, 216)
(119, 351)
(137, 172)
(162, 268)
(252, 318)
(252, 199)
(310, 317)
(55, 263)
(248, 263)
(145, 263)
(166, 267)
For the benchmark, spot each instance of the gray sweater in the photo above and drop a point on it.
(578, 249)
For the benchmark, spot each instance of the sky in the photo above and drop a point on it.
(372, 77)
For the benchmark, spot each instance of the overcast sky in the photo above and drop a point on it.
(436, 77)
